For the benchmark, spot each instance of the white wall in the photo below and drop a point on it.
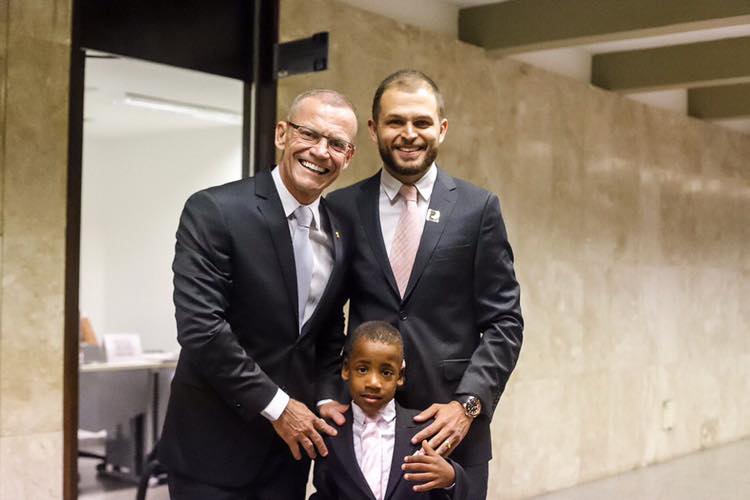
(134, 188)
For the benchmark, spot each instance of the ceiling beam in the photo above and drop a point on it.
(726, 101)
(678, 66)
(525, 25)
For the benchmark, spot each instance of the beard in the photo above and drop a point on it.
(411, 170)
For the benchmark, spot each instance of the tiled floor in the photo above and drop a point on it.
(718, 474)
(94, 487)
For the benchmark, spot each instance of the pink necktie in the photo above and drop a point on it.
(372, 457)
(406, 237)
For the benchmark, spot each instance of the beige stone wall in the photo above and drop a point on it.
(34, 68)
(631, 229)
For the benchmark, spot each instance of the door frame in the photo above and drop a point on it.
(259, 118)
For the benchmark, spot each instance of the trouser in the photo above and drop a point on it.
(282, 477)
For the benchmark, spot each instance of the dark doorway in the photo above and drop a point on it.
(230, 38)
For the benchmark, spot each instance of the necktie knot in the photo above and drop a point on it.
(303, 215)
(372, 422)
(408, 192)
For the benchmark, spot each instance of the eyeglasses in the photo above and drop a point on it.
(312, 137)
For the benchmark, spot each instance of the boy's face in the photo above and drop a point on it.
(373, 373)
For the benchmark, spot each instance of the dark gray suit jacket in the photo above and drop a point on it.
(235, 295)
(461, 314)
(338, 476)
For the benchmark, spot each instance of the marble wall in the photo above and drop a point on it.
(631, 229)
(34, 68)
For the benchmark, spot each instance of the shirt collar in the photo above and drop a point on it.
(424, 186)
(289, 202)
(387, 413)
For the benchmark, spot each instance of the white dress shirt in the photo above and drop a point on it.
(387, 429)
(390, 203)
(322, 247)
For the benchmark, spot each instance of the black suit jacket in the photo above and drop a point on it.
(461, 314)
(338, 476)
(235, 295)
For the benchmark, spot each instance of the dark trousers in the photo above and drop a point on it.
(478, 476)
(282, 477)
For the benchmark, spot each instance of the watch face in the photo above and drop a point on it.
(473, 406)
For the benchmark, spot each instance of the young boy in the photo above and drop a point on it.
(372, 456)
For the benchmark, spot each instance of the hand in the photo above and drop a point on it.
(334, 410)
(429, 467)
(447, 430)
(297, 426)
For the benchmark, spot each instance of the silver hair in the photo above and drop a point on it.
(326, 96)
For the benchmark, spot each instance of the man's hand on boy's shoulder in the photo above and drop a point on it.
(333, 411)
(299, 427)
(428, 468)
(447, 430)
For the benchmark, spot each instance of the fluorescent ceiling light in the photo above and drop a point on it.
(208, 113)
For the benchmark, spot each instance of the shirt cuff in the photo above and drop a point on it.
(277, 406)
(322, 402)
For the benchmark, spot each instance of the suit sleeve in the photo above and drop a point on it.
(497, 301)
(328, 358)
(460, 488)
(202, 286)
(325, 489)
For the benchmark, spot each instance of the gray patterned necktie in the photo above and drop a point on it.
(303, 257)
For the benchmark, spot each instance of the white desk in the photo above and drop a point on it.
(127, 399)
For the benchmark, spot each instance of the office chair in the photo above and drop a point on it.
(153, 468)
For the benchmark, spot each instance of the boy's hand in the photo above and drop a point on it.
(333, 410)
(430, 468)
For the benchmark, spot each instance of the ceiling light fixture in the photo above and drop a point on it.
(208, 113)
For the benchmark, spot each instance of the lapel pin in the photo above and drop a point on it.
(338, 235)
(433, 215)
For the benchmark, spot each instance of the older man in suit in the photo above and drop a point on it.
(257, 290)
(431, 255)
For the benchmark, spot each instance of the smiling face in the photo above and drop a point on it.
(373, 372)
(408, 131)
(307, 169)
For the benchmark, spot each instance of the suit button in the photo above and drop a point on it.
(402, 315)
(237, 405)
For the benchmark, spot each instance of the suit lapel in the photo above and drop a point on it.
(270, 206)
(343, 447)
(401, 447)
(334, 232)
(442, 200)
(369, 213)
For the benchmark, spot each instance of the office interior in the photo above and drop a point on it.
(629, 223)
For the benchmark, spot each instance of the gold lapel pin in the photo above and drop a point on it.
(338, 235)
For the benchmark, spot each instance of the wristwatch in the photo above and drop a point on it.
(472, 405)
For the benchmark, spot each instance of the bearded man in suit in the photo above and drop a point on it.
(258, 275)
(431, 255)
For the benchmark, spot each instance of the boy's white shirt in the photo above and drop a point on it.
(387, 428)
